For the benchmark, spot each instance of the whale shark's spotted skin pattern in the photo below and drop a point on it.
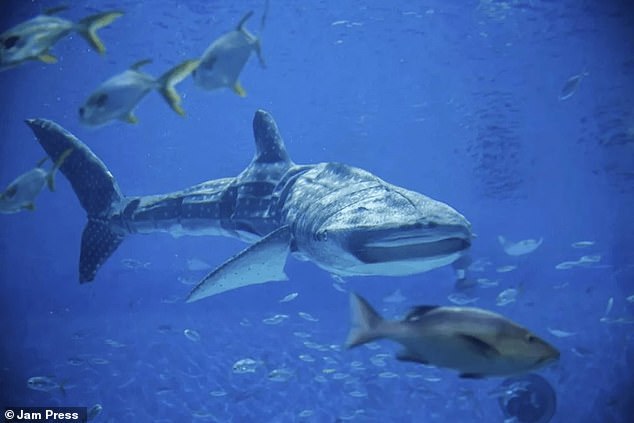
(344, 219)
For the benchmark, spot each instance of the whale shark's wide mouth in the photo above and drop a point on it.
(409, 243)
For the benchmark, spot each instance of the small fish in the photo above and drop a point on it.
(302, 335)
(388, 375)
(22, 192)
(506, 269)
(32, 39)
(487, 283)
(218, 393)
(289, 297)
(196, 264)
(117, 97)
(280, 375)
(564, 265)
(571, 86)
(479, 265)
(519, 248)
(192, 335)
(594, 258)
(75, 361)
(246, 365)
(44, 384)
(94, 411)
(223, 61)
(114, 343)
(582, 244)
(476, 342)
(630, 299)
(188, 280)
(395, 297)
(307, 317)
(460, 298)
(307, 358)
(275, 320)
(134, 264)
(561, 333)
(581, 352)
(506, 297)
(608, 307)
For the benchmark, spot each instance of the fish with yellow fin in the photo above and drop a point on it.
(21, 193)
(223, 61)
(32, 39)
(117, 97)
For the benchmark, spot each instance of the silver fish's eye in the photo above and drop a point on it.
(10, 192)
(9, 42)
(99, 101)
(530, 338)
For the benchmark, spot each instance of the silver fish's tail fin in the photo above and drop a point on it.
(88, 27)
(365, 325)
(50, 177)
(172, 77)
(94, 186)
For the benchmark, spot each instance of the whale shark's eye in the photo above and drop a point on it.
(321, 236)
(10, 41)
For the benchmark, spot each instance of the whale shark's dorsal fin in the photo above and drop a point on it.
(269, 146)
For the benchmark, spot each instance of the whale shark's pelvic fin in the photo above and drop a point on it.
(94, 186)
(259, 263)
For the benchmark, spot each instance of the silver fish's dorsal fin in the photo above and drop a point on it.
(244, 20)
(55, 10)
(140, 63)
(417, 312)
(269, 146)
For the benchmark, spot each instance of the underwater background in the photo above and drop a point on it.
(461, 101)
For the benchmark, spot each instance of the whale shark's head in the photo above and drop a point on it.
(375, 228)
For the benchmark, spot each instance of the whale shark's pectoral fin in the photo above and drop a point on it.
(259, 263)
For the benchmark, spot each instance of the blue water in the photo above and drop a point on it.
(456, 100)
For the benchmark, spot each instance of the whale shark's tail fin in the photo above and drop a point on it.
(95, 188)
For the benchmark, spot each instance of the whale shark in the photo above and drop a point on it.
(344, 219)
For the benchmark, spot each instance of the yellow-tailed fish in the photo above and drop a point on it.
(117, 97)
(32, 39)
(223, 61)
(22, 192)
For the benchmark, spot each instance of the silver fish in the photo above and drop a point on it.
(94, 411)
(223, 61)
(31, 40)
(22, 192)
(476, 342)
(117, 97)
(44, 384)
(571, 86)
(519, 248)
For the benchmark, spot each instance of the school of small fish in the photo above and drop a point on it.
(476, 351)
